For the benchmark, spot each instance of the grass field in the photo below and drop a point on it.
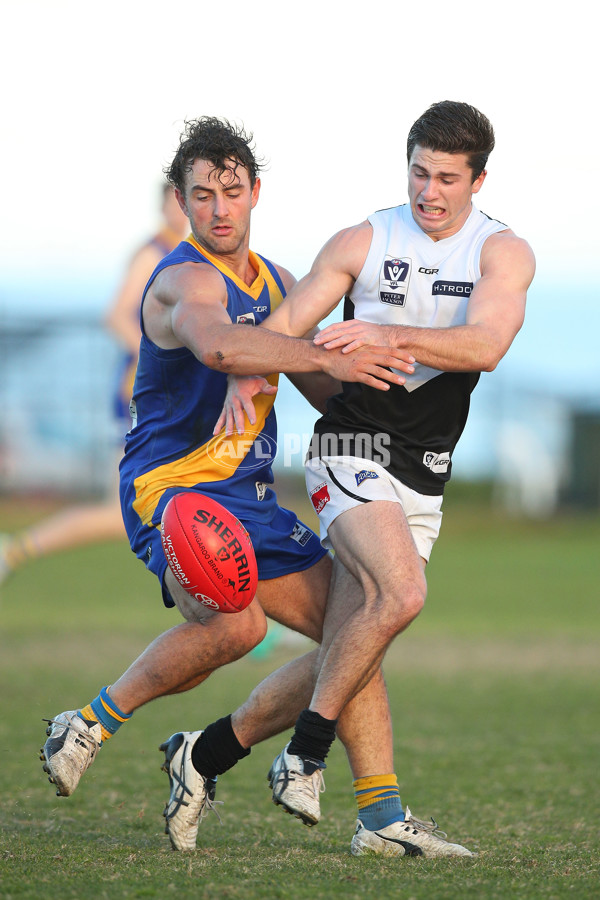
(496, 706)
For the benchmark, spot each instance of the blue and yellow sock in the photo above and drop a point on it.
(378, 800)
(106, 712)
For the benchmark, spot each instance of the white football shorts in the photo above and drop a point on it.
(338, 483)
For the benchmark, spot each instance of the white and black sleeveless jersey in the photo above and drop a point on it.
(409, 279)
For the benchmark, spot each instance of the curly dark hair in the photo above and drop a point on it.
(217, 141)
(454, 127)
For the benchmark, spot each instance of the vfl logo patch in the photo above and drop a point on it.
(452, 288)
(437, 462)
(361, 476)
(320, 497)
(393, 280)
(301, 534)
(246, 319)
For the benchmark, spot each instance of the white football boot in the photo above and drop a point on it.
(71, 748)
(297, 791)
(191, 795)
(409, 838)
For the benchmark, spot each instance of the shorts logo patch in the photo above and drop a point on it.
(320, 497)
(261, 490)
(301, 534)
(366, 473)
(437, 462)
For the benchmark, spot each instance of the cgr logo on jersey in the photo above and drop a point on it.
(260, 309)
(437, 462)
(246, 319)
(393, 280)
(452, 288)
(366, 473)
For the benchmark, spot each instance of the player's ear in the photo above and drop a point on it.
(255, 193)
(181, 201)
(476, 186)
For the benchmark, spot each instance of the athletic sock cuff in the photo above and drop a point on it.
(370, 782)
(313, 736)
(217, 749)
(111, 707)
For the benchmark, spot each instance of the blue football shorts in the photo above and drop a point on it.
(282, 543)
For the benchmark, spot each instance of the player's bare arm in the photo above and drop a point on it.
(316, 387)
(123, 316)
(494, 316)
(186, 306)
(308, 302)
(331, 277)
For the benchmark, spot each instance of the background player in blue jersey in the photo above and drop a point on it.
(81, 524)
(190, 306)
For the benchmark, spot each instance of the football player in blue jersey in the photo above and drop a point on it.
(190, 341)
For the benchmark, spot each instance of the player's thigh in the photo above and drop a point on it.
(374, 542)
(298, 600)
(251, 620)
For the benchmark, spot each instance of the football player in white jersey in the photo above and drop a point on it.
(443, 281)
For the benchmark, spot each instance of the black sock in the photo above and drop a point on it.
(217, 749)
(313, 736)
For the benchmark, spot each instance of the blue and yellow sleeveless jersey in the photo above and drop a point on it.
(176, 403)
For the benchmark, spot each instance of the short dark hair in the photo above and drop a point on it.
(454, 127)
(217, 141)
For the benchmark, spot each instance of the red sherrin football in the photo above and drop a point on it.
(209, 552)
